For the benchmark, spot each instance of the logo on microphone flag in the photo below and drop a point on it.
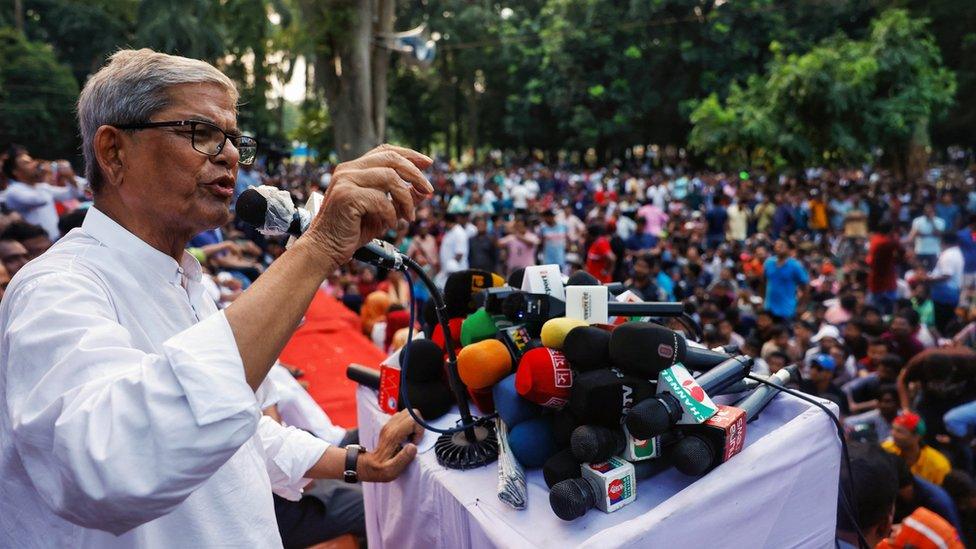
(732, 420)
(696, 406)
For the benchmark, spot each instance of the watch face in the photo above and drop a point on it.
(350, 476)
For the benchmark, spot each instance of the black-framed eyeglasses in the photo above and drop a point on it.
(207, 138)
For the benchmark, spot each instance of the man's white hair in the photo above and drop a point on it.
(132, 87)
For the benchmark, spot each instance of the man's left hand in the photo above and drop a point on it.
(388, 460)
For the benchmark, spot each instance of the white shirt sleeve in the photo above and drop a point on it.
(289, 454)
(113, 437)
(19, 197)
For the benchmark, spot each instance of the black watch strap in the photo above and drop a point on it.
(351, 474)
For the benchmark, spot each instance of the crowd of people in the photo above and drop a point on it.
(867, 282)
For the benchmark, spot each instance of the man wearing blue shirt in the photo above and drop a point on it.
(784, 275)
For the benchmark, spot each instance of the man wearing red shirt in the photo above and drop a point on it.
(884, 254)
(600, 258)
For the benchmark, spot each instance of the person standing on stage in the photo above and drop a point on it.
(130, 407)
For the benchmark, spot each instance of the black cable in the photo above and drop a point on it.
(845, 497)
(403, 375)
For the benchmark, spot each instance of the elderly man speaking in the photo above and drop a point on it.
(130, 408)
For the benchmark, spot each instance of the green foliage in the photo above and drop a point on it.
(831, 105)
(37, 98)
(314, 127)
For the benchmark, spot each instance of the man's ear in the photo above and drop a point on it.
(109, 145)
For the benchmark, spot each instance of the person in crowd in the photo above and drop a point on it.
(29, 195)
(877, 421)
(600, 258)
(454, 247)
(926, 235)
(518, 247)
(13, 255)
(819, 382)
(33, 237)
(884, 255)
(907, 433)
(553, 235)
(946, 280)
(784, 276)
(874, 490)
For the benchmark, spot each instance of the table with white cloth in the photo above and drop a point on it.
(779, 492)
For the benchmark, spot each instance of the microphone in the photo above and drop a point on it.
(461, 287)
(367, 377)
(608, 486)
(273, 213)
(560, 466)
(593, 443)
(544, 377)
(587, 348)
(438, 337)
(583, 278)
(476, 327)
(683, 399)
(532, 442)
(512, 408)
(707, 445)
(483, 364)
(554, 331)
(518, 340)
(538, 308)
(426, 361)
(644, 349)
(605, 396)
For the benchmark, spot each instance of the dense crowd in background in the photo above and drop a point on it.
(868, 283)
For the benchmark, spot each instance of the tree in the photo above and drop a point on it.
(834, 104)
(37, 98)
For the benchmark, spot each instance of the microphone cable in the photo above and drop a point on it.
(845, 496)
(403, 373)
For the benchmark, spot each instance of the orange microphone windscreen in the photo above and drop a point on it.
(483, 364)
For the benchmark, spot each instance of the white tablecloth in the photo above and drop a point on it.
(780, 492)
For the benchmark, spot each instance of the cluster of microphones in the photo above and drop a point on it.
(596, 406)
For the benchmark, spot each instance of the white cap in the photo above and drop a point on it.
(827, 330)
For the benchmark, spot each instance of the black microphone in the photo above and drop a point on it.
(644, 349)
(587, 348)
(538, 308)
(593, 443)
(561, 466)
(266, 209)
(655, 416)
(605, 396)
(573, 497)
(583, 278)
(367, 377)
(720, 438)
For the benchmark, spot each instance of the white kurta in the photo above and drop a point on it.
(125, 418)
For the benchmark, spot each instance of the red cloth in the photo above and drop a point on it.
(883, 255)
(329, 340)
(598, 261)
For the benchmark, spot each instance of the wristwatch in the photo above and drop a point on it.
(350, 475)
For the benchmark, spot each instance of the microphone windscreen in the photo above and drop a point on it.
(461, 287)
(587, 348)
(478, 326)
(426, 360)
(602, 397)
(513, 306)
(483, 399)
(532, 443)
(252, 207)
(563, 425)
(582, 278)
(561, 466)
(648, 418)
(555, 329)
(644, 348)
(693, 455)
(428, 316)
(544, 377)
(432, 398)
(593, 443)
(483, 364)
(512, 408)
(518, 340)
(515, 277)
(571, 499)
(438, 335)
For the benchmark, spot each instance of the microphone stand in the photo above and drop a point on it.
(476, 445)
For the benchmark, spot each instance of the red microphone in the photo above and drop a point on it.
(544, 377)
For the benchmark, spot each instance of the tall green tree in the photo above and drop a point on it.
(37, 98)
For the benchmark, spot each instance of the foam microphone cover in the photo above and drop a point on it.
(587, 348)
(593, 443)
(561, 466)
(432, 398)
(478, 326)
(512, 408)
(582, 278)
(555, 329)
(428, 316)
(483, 364)
(644, 349)
(461, 287)
(426, 360)
(482, 398)
(515, 277)
(603, 397)
(532, 442)
(438, 335)
(693, 455)
(564, 422)
(544, 377)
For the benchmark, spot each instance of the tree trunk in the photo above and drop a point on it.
(385, 17)
(473, 96)
(19, 15)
